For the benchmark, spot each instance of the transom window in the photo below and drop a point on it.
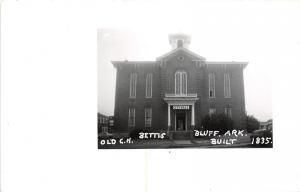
(180, 83)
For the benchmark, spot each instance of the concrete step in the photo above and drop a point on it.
(181, 135)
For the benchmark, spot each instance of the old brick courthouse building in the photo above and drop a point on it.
(177, 90)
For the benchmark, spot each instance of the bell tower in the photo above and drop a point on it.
(179, 40)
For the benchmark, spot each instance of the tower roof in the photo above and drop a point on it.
(179, 40)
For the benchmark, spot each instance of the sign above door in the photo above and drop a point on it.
(180, 107)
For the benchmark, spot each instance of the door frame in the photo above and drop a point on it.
(185, 119)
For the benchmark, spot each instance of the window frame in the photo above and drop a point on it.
(132, 85)
(131, 111)
(149, 82)
(227, 88)
(214, 111)
(182, 80)
(211, 85)
(226, 110)
(104, 129)
(148, 116)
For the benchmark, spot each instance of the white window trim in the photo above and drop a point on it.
(150, 124)
(181, 92)
(132, 85)
(129, 115)
(149, 80)
(212, 108)
(227, 90)
(211, 76)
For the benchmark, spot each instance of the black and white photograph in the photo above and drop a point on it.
(179, 99)
(149, 95)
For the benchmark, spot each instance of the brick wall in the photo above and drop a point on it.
(123, 102)
(163, 82)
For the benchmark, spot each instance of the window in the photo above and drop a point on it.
(180, 83)
(183, 83)
(227, 93)
(132, 88)
(228, 112)
(111, 122)
(177, 83)
(180, 58)
(148, 117)
(105, 129)
(211, 85)
(212, 111)
(149, 85)
(131, 117)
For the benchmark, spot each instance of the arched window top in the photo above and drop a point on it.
(180, 71)
(180, 82)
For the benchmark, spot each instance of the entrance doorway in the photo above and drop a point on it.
(180, 121)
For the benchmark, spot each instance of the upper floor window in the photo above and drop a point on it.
(227, 92)
(180, 83)
(148, 117)
(211, 85)
(228, 112)
(149, 85)
(132, 85)
(131, 117)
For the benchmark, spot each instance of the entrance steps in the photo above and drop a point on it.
(181, 135)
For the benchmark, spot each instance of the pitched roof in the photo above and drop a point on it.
(180, 49)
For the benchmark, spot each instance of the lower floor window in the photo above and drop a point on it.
(131, 117)
(228, 112)
(104, 129)
(212, 111)
(148, 117)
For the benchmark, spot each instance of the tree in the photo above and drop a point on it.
(217, 122)
(252, 124)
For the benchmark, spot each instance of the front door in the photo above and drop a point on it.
(180, 121)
